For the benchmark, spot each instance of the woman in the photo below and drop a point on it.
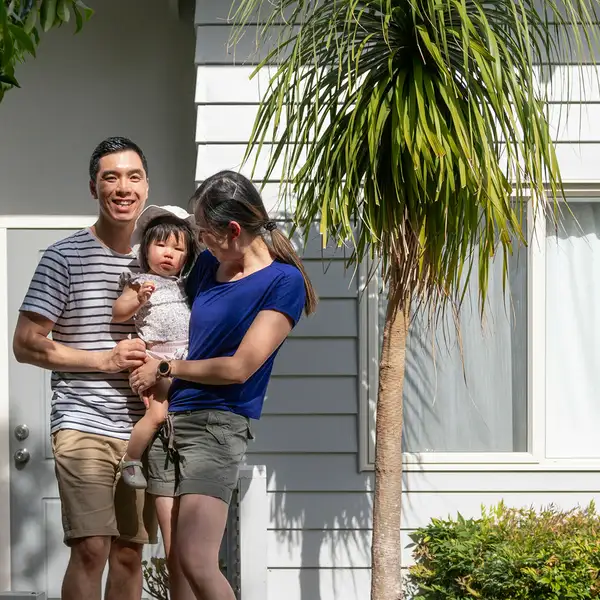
(248, 291)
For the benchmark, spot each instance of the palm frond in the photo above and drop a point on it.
(420, 120)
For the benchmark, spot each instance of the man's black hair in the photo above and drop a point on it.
(110, 146)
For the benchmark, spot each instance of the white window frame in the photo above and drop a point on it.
(534, 459)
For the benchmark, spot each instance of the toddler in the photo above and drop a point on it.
(157, 301)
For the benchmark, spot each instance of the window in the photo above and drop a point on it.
(573, 334)
(477, 402)
(526, 388)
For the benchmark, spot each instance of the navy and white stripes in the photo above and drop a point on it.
(75, 285)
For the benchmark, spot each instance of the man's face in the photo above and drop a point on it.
(121, 186)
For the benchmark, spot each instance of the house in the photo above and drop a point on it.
(525, 428)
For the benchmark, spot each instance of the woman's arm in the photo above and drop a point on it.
(266, 334)
(130, 301)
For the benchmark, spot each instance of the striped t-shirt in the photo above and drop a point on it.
(75, 286)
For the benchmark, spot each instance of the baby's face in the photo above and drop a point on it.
(167, 258)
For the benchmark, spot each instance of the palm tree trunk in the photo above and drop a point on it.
(386, 583)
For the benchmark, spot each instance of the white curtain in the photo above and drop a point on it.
(573, 334)
(482, 408)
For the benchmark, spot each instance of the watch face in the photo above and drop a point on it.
(163, 367)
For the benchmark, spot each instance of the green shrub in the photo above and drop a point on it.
(509, 554)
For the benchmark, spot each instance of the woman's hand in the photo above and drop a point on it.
(144, 377)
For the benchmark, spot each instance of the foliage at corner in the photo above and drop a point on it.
(20, 24)
(515, 554)
(156, 577)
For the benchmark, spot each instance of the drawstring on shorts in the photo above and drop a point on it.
(167, 435)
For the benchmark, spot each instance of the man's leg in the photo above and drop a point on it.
(166, 510)
(83, 578)
(124, 571)
(85, 472)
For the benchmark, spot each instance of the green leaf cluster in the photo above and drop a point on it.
(509, 554)
(156, 578)
(419, 120)
(20, 24)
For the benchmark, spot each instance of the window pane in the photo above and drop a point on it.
(573, 334)
(483, 407)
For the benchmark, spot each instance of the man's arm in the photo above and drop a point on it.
(31, 345)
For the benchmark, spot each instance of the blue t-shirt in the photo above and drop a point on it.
(221, 315)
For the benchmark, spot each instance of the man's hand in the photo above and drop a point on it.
(146, 290)
(126, 355)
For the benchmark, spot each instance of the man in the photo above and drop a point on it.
(93, 408)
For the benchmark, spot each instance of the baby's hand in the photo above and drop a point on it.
(145, 291)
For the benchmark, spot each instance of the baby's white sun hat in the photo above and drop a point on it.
(152, 212)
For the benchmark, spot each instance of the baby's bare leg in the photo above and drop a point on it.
(146, 428)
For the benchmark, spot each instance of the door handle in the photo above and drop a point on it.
(21, 432)
(22, 457)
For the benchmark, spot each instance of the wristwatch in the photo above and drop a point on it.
(164, 368)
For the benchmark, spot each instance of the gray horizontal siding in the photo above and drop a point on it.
(317, 356)
(335, 318)
(213, 46)
(311, 472)
(321, 434)
(312, 395)
(330, 278)
(209, 12)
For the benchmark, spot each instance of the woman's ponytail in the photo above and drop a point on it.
(282, 249)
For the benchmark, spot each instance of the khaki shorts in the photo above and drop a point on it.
(93, 502)
(198, 452)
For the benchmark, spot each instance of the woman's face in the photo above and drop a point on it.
(221, 245)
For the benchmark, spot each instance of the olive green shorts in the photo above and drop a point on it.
(198, 452)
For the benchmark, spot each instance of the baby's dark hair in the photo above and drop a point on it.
(159, 230)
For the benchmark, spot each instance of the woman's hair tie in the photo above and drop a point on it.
(270, 225)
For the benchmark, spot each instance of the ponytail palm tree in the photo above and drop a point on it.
(411, 127)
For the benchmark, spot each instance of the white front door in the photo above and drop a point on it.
(38, 557)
